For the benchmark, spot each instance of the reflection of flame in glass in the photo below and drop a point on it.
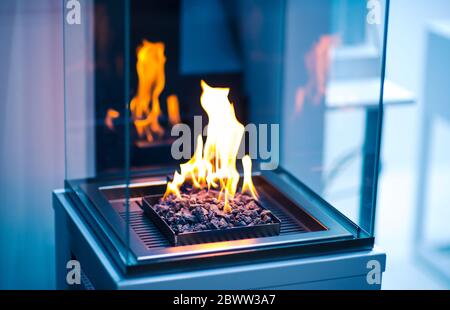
(214, 163)
(145, 106)
(173, 109)
(317, 62)
(213, 246)
(152, 79)
(111, 115)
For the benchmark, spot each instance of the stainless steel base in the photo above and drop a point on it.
(76, 240)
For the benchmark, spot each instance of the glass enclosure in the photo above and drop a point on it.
(300, 123)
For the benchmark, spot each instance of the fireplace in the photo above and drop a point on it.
(198, 133)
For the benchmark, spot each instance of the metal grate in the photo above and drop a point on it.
(288, 224)
(152, 237)
(86, 282)
(146, 230)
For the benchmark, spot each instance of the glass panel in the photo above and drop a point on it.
(331, 112)
(307, 76)
(96, 113)
(304, 78)
(80, 114)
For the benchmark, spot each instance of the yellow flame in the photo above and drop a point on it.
(247, 184)
(213, 164)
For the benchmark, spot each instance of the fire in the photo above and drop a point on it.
(145, 106)
(213, 164)
(317, 62)
(173, 109)
(247, 186)
(111, 115)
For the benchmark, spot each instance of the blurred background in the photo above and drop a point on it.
(414, 183)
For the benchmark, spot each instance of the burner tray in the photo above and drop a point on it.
(205, 236)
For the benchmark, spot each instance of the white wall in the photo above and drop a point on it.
(31, 139)
(396, 210)
(405, 66)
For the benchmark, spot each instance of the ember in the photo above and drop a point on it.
(199, 210)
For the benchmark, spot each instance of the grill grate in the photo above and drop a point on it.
(152, 237)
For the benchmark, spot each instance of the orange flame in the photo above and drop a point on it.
(213, 164)
(111, 115)
(317, 62)
(152, 79)
(145, 106)
(173, 109)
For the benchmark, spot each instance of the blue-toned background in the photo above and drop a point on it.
(31, 139)
(413, 197)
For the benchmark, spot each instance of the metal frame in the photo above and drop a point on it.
(114, 231)
(76, 240)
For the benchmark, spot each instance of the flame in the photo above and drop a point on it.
(247, 185)
(213, 164)
(150, 70)
(173, 109)
(145, 106)
(317, 62)
(111, 115)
